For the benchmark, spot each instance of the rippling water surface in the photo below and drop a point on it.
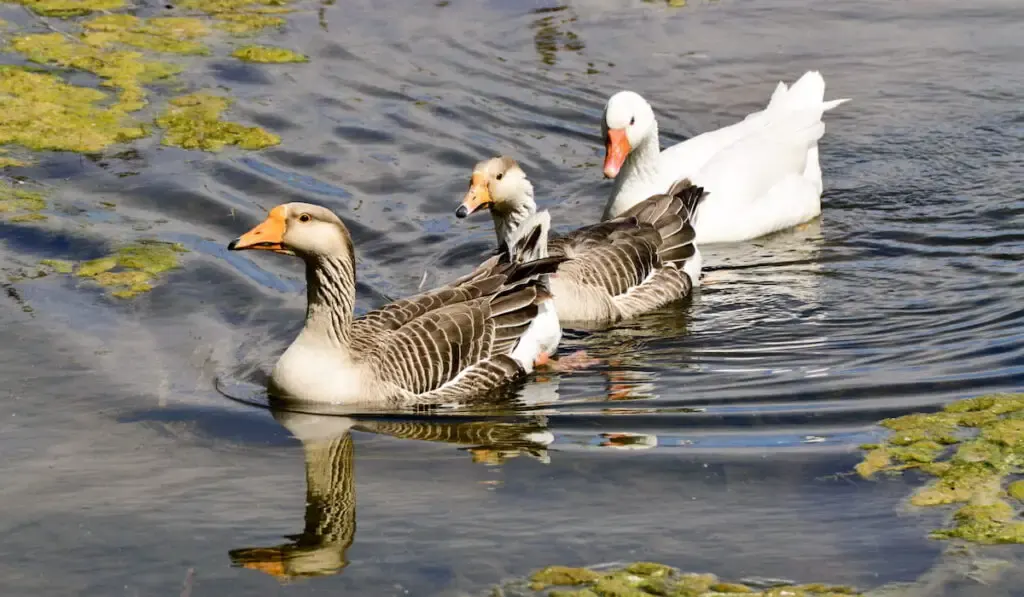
(712, 437)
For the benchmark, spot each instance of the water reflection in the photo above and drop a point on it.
(551, 33)
(329, 452)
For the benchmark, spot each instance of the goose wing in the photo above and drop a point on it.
(621, 256)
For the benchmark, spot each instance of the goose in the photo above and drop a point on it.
(469, 337)
(763, 171)
(611, 271)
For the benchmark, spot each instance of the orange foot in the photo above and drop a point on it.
(570, 362)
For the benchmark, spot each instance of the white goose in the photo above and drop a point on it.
(468, 338)
(762, 173)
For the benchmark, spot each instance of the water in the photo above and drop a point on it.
(124, 467)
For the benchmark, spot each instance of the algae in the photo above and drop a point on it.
(127, 71)
(193, 122)
(68, 8)
(175, 35)
(19, 205)
(1016, 490)
(986, 439)
(644, 579)
(29, 217)
(242, 17)
(58, 265)
(563, 576)
(268, 55)
(131, 270)
(40, 111)
(985, 523)
(245, 23)
(12, 199)
(731, 588)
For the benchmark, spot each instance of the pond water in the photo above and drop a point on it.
(715, 437)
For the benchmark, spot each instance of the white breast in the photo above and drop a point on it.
(308, 372)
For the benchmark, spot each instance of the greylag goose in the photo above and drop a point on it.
(445, 345)
(614, 270)
(762, 172)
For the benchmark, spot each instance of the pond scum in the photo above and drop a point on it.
(973, 449)
(646, 579)
(42, 110)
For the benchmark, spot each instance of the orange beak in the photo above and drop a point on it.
(477, 197)
(616, 149)
(268, 236)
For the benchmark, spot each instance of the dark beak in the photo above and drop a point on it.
(233, 245)
(461, 212)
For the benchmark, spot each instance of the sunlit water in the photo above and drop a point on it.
(710, 436)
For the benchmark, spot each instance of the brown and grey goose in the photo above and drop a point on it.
(615, 270)
(444, 345)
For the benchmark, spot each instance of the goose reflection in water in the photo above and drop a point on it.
(330, 521)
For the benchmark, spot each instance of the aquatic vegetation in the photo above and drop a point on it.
(972, 448)
(242, 16)
(552, 35)
(193, 122)
(175, 35)
(58, 265)
(131, 270)
(124, 70)
(40, 111)
(18, 205)
(68, 8)
(643, 579)
(244, 23)
(268, 54)
(1016, 490)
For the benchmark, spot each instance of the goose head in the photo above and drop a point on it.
(498, 184)
(303, 229)
(628, 120)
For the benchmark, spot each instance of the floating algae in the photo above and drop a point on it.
(58, 265)
(644, 579)
(268, 54)
(68, 8)
(242, 16)
(124, 70)
(193, 122)
(17, 205)
(1016, 490)
(972, 448)
(40, 111)
(131, 270)
(244, 23)
(175, 35)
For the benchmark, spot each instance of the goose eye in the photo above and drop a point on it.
(499, 175)
(305, 218)
(632, 120)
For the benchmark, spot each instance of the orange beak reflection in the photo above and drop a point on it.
(268, 236)
(616, 149)
(477, 197)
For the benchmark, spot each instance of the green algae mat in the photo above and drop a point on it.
(643, 579)
(973, 452)
(137, 62)
(40, 110)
